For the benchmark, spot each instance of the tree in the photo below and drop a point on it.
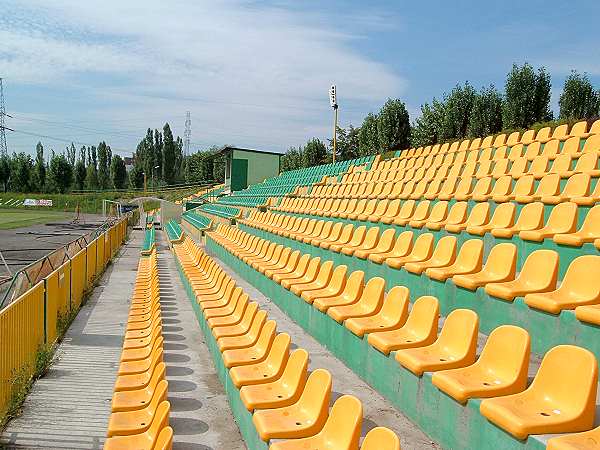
(22, 167)
(79, 171)
(527, 97)
(71, 154)
(428, 127)
(118, 172)
(91, 176)
(38, 178)
(60, 173)
(347, 143)
(458, 107)
(291, 160)
(314, 153)
(136, 177)
(5, 168)
(169, 155)
(104, 156)
(368, 139)
(486, 116)
(393, 126)
(579, 99)
(157, 159)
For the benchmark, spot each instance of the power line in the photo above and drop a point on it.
(187, 134)
(68, 141)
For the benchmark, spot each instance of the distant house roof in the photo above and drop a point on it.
(228, 148)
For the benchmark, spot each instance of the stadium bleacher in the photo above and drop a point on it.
(459, 280)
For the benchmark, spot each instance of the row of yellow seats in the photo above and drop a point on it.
(140, 409)
(529, 225)
(551, 149)
(560, 133)
(537, 280)
(433, 178)
(561, 398)
(286, 402)
(526, 189)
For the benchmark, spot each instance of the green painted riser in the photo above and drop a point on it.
(546, 330)
(242, 416)
(444, 420)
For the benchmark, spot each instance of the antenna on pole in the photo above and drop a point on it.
(3, 146)
(187, 134)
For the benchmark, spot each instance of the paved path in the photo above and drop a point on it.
(69, 407)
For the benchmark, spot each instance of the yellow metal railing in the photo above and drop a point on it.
(32, 319)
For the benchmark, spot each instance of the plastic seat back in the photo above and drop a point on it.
(568, 376)
(470, 255)
(459, 333)
(549, 185)
(458, 212)
(580, 278)
(506, 355)
(592, 143)
(540, 270)
(358, 236)
(563, 217)
(479, 214)
(381, 438)
(407, 209)
(531, 217)
(424, 315)
(504, 215)
(502, 260)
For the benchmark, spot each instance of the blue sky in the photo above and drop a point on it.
(256, 74)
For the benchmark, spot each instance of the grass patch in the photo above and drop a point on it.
(22, 381)
(11, 218)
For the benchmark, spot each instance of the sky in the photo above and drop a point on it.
(256, 74)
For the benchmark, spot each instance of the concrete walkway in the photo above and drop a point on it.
(69, 407)
(200, 414)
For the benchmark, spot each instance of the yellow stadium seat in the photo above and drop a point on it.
(295, 269)
(437, 214)
(351, 293)
(283, 391)
(469, 260)
(524, 186)
(392, 210)
(549, 185)
(384, 245)
(358, 236)
(577, 185)
(402, 247)
(420, 328)
(148, 438)
(380, 438)
(531, 217)
(500, 370)
(392, 314)
(304, 418)
(368, 304)
(503, 217)
(369, 242)
(320, 281)
(254, 353)
(421, 251)
(479, 215)
(502, 186)
(344, 238)
(457, 214)
(562, 219)
(286, 266)
(270, 369)
(138, 421)
(500, 266)
(455, 347)
(589, 231)
(335, 286)
(341, 431)
(231, 319)
(578, 287)
(539, 274)
(587, 440)
(132, 382)
(561, 398)
(142, 365)
(138, 399)
(588, 314)
(312, 270)
(443, 255)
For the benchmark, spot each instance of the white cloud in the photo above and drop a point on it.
(252, 74)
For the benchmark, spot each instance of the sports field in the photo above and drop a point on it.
(11, 218)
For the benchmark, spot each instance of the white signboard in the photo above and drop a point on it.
(36, 202)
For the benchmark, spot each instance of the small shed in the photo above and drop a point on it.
(244, 166)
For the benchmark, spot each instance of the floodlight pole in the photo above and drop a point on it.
(335, 122)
